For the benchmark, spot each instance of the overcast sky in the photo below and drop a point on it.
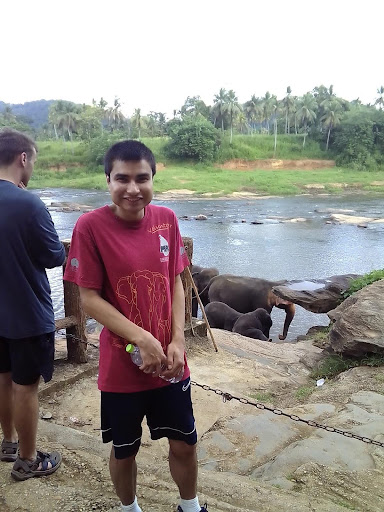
(152, 54)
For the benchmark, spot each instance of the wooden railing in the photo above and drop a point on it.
(75, 318)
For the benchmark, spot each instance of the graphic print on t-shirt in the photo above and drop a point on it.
(153, 288)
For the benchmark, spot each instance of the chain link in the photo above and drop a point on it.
(76, 339)
(227, 397)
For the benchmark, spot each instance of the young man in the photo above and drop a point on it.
(29, 245)
(127, 259)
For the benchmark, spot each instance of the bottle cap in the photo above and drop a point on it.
(130, 348)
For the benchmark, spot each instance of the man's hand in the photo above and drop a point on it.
(175, 360)
(152, 354)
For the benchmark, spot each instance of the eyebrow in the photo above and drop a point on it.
(141, 175)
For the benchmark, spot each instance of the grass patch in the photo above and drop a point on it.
(365, 280)
(262, 397)
(335, 364)
(257, 146)
(304, 392)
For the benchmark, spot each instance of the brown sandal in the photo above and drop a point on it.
(24, 469)
(8, 451)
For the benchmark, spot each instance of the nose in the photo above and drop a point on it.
(132, 188)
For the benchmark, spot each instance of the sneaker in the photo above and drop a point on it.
(203, 509)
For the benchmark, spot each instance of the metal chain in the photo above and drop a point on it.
(77, 339)
(227, 397)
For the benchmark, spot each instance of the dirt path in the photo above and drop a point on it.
(249, 460)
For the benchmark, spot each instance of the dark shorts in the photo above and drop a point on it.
(168, 411)
(28, 358)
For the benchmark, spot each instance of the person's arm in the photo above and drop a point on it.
(47, 250)
(176, 349)
(98, 308)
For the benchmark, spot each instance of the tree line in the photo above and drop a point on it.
(354, 132)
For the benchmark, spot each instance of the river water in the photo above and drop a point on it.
(273, 250)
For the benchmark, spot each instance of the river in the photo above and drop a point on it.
(272, 250)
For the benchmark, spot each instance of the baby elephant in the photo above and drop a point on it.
(221, 316)
(255, 324)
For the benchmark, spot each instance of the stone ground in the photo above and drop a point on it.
(249, 459)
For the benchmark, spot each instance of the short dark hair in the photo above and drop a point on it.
(12, 144)
(128, 151)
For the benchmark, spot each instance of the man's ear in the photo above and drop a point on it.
(108, 179)
(23, 159)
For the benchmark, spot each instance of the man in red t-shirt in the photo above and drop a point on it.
(126, 259)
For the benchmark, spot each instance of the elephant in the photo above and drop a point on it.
(255, 324)
(201, 277)
(246, 294)
(221, 316)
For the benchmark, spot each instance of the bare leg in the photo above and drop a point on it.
(26, 416)
(6, 408)
(123, 474)
(183, 467)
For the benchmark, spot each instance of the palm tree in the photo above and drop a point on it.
(333, 112)
(267, 108)
(275, 107)
(307, 113)
(220, 101)
(288, 104)
(115, 116)
(137, 120)
(233, 109)
(253, 110)
(380, 100)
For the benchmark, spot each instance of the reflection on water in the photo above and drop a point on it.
(304, 251)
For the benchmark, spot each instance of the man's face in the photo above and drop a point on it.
(28, 164)
(131, 187)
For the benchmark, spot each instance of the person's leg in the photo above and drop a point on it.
(26, 416)
(6, 408)
(183, 467)
(123, 475)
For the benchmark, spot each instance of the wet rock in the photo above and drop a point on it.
(358, 323)
(201, 217)
(316, 295)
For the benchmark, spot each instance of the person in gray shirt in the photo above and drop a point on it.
(28, 245)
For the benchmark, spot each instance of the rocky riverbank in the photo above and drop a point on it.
(249, 459)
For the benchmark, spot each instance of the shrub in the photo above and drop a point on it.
(365, 280)
(193, 138)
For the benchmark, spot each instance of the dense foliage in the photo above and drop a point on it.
(193, 138)
(348, 131)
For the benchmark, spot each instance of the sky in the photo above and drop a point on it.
(152, 54)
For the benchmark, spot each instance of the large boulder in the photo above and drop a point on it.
(316, 295)
(358, 323)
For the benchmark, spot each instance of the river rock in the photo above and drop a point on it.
(358, 323)
(315, 295)
(351, 219)
(201, 217)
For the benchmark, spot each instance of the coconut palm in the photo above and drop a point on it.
(307, 113)
(275, 111)
(333, 112)
(253, 110)
(114, 115)
(137, 121)
(232, 108)
(288, 104)
(219, 104)
(380, 99)
(267, 103)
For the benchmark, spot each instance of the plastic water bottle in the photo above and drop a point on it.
(134, 351)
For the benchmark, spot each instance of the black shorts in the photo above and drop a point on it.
(168, 411)
(28, 358)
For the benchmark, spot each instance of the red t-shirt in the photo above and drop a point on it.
(134, 265)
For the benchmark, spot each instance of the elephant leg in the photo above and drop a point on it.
(194, 307)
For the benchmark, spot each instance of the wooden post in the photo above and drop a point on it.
(188, 245)
(77, 351)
